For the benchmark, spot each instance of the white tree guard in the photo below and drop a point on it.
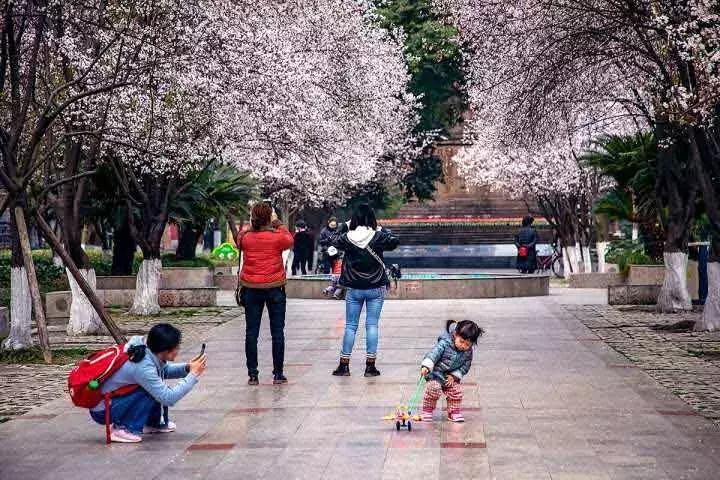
(84, 320)
(587, 261)
(710, 320)
(20, 311)
(674, 295)
(147, 288)
(570, 258)
(601, 249)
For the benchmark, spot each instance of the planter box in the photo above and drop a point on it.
(595, 280)
(226, 282)
(181, 277)
(57, 304)
(633, 294)
(4, 322)
(172, 278)
(646, 275)
(116, 282)
(612, 268)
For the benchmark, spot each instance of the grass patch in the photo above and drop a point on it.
(34, 356)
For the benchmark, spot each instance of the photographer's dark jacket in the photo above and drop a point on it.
(360, 270)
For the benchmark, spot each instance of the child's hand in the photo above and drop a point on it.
(424, 371)
(450, 381)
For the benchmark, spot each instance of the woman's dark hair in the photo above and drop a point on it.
(261, 215)
(163, 337)
(466, 329)
(363, 216)
(301, 224)
(527, 221)
(332, 219)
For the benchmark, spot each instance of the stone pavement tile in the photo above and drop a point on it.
(303, 463)
(246, 464)
(361, 463)
(412, 463)
(579, 476)
(192, 465)
(569, 464)
(519, 470)
(466, 464)
(638, 472)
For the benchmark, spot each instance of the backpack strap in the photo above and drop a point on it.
(107, 399)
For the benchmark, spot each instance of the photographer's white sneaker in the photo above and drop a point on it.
(170, 427)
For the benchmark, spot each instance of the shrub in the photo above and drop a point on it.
(626, 253)
(169, 260)
(50, 276)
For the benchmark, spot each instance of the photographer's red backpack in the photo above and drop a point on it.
(86, 379)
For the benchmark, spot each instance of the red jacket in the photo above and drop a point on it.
(262, 257)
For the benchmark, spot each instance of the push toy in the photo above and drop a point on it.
(403, 413)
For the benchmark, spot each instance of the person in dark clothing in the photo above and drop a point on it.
(324, 241)
(302, 249)
(364, 275)
(526, 243)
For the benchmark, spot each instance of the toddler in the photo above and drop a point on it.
(446, 364)
(334, 290)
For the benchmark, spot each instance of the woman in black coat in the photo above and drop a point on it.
(364, 275)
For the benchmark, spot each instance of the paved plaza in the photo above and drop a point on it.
(545, 399)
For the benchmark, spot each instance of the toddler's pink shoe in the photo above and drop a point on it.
(456, 416)
(121, 435)
(426, 416)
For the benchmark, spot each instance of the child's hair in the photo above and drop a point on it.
(466, 329)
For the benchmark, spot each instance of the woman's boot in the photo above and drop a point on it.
(343, 370)
(370, 370)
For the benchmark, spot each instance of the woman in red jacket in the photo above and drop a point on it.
(263, 284)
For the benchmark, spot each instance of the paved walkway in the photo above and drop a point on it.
(544, 400)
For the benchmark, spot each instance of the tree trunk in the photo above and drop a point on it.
(77, 276)
(84, 320)
(571, 260)
(710, 320)
(187, 245)
(601, 249)
(38, 308)
(147, 288)
(674, 294)
(124, 248)
(232, 224)
(587, 260)
(20, 302)
(20, 311)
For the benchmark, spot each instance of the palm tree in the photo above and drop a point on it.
(217, 192)
(630, 160)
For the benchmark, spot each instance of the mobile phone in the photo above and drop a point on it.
(202, 351)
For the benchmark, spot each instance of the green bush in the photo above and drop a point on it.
(626, 253)
(169, 260)
(50, 276)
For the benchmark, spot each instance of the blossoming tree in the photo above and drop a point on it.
(621, 66)
(308, 96)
